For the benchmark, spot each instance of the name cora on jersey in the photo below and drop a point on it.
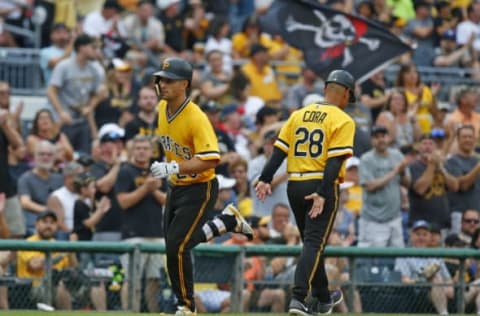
(170, 145)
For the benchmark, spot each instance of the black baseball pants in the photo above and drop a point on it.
(310, 274)
(185, 214)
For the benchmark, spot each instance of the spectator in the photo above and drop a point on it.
(31, 264)
(402, 125)
(280, 223)
(144, 28)
(445, 21)
(464, 114)
(430, 270)
(430, 183)
(279, 181)
(308, 84)
(239, 171)
(420, 29)
(45, 128)
(145, 121)
(374, 94)
(122, 91)
(15, 112)
(140, 198)
(36, 185)
(240, 87)
(196, 22)
(267, 120)
(251, 35)
(261, 296)
(105, 172)
(345, 220)
(472, 293)
(173, 23)
(218, 40)
(61, 47)
(470, 223)
(62, 200)
(215, 80)
(87, 212)
(419, 96)
(465, 165)
(105, 21)
(225, 143)
(451, 55)
(232, 125)
(73, 92)
(10, 138)
(354, 202)
(470, 27)
(382, 172)
(262, 75)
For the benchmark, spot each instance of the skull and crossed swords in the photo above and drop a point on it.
(338, 30)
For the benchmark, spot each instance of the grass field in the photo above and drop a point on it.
(61, 313)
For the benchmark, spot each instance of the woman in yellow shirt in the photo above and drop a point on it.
(251, 34)
(421, 99)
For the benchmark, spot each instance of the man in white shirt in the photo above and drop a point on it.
(105, 22)
(470, 26)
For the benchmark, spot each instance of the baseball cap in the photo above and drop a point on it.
(47, 213)
(210, 106)
(453, 240)
(312, 98)
(82, 179)
(449, 35)
(121, 65)
(269, 136)
(378, 129)
(224, 182)
(443, 106)
(435, 228)
(59, 26)
(228, 109)
(110, 132)
(352, 162)
(164, 4)
(72, 168)
(257, 221)
(421, 224)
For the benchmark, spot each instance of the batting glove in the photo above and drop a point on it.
(164, 169)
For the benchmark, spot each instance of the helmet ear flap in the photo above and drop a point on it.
(157, 86)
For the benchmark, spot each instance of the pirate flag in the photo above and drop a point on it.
(331, 39)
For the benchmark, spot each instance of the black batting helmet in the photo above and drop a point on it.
(176, 69)
(344, 78)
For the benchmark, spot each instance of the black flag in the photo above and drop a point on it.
(331, 39)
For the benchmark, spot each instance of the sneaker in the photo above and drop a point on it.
(184, 311)
(298, 308)
(242, 226)
(336, 297)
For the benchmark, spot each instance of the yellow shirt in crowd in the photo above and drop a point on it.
(23, 257)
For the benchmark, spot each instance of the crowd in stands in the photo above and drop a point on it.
(81, 169)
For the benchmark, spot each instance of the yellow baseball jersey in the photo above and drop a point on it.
(23, 257)
(186, 134)
(311, 136)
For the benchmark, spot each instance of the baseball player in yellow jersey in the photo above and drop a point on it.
(191, 151)
(316, 140)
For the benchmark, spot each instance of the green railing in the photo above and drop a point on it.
(240, 253)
